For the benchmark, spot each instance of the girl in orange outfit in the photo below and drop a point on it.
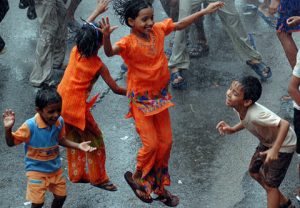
(147, 89)
(83, 70)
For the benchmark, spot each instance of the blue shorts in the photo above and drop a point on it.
(287, 9)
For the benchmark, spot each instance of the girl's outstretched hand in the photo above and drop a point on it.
(293, 21)
(102, 5)
(105, 27)
(212, 7)
(84, 146)
(8, 119)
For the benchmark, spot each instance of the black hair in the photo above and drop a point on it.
(88, 40)
(252, 88)
(129, 9)
(45, 96)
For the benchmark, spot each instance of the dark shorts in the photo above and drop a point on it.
(287, 9)
(297, 128)
(274, 172)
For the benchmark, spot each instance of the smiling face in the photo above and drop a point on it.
(50, 113)
(143, 23)
(235, 95)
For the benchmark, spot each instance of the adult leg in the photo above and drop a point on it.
(48, 25)
(289, 47)
(60, 45)
(72, 23)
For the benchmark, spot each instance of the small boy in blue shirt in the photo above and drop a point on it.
(42, 135)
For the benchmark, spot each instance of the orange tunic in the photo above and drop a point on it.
(76, 85)
(148, 75)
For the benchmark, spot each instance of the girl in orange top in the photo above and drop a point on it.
(83, 70)
(147, 88)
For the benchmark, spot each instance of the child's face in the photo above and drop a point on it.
(50, 113)
(143, 23)
(235, 95)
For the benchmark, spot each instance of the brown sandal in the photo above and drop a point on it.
(108, 186)
(168, 199)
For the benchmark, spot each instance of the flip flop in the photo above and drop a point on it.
(108, 186)
(271, 21)
(287, 205)
(168, 199)
(182, 85)
(259, 69)
(134, 186)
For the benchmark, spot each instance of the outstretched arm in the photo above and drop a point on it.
(187, 21)
(104, 72)
(102, 6)
(8, 123)
(84, 146)
(106, 30)
(224, 128)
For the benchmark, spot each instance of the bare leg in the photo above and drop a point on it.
(273, 194)
(289, 47)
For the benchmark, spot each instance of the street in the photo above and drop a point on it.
(207, 170)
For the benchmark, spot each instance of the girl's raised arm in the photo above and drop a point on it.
(187, 21)
(106, 30)
(102, 6)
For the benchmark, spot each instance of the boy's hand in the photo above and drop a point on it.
(224, 128)
(102, 6)
(84, 146)
(8, 119)
(105, 27)
(293, 21)
(212, 7)
(270, 155)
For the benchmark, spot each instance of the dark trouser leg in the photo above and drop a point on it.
(58, 201)
(37, 205)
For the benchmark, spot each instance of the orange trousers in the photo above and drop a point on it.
(153, 157)
(90, 166)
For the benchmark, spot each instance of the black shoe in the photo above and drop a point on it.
(31, 14)
(23, 4)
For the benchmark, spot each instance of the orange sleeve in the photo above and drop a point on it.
(166, 25)
(123, 45)
(22, 134)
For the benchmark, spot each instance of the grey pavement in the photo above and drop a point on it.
(207, 170)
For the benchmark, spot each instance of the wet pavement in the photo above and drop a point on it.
(207, 170)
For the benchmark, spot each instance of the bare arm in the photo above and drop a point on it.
(106, 30)
(294, 89)
(104, 72)
(8, 123)
(272, 153)
(84, 146)
(187, 21)
(102, 6)
(224, 128)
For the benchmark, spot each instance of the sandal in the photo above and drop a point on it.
(134, 186)
(168, 199)
(198, 50)
(261, 69)
(181, 85)
(108, 186)
(287, 205)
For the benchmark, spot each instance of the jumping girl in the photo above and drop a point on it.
(147, 89)
(83, 70)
